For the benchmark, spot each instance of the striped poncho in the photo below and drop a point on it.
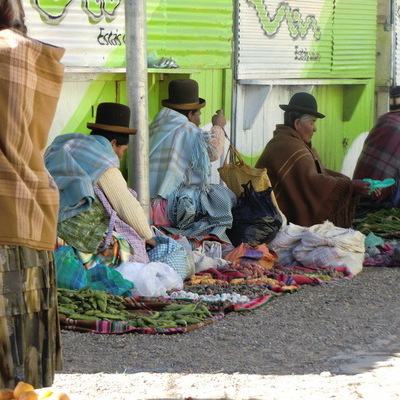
(306, 191)
(380, 156)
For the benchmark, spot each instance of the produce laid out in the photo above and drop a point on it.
(384, 223)
(205, 298)
(25, 391)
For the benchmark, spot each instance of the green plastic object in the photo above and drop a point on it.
(379, 184)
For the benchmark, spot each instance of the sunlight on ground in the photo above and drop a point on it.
(383, 382)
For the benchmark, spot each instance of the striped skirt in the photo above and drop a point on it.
(30, 340)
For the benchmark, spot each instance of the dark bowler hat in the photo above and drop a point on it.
(303, 102)
(112, 117)
(183, 95)
(394, 98)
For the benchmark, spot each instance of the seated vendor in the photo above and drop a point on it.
(380, 158)
(99, 215)
(183, 199)
(307, 192)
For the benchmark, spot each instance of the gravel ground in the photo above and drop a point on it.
(348, 330)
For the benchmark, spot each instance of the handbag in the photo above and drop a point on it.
(256, 219)
(237, 173)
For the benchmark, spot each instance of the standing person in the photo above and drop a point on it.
(99, 216)
(183, 199)
(306, 191)
(380, 157)
(30, 82)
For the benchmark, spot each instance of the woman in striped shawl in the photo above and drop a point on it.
(183, 199)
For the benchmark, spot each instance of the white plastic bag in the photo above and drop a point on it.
(153, 279)
(208, 255)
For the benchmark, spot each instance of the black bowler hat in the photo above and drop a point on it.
(183, 94)
(112, 117)
(303, 102)
(394, 102)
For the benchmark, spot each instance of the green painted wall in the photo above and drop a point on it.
(349, 111)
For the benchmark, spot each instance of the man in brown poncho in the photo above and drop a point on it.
(307, 192)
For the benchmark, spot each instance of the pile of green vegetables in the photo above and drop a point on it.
(384, 223)
(94, 305)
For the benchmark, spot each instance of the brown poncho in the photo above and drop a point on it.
(307, 192)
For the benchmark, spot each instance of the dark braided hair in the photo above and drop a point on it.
(121, 138)
(12, 15)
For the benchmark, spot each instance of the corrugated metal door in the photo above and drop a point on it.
(306, 39)
(278, 39)
(354, 39)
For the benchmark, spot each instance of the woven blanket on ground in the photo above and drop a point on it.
(286, 280)
(138, 306)
(308, 279)
(387, 256)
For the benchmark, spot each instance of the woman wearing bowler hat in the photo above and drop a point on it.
(306, 191)
(183, 200)
(99, 216)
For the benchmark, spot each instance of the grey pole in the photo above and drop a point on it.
(137, 95)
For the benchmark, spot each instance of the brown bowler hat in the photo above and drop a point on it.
(183, 95)
(112, 117)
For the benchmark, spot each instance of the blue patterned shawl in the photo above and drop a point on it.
(76, 162)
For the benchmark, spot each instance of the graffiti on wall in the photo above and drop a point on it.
(54, 11)
(298, 25)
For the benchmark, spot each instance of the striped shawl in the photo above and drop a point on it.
(30, 82)
(380, 156)
(178, 154)
(76, 162)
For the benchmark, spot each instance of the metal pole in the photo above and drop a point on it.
(137, 95)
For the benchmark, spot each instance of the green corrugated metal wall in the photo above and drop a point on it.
(349, 36)
(196, 34)
(354, 33)
(199, 37)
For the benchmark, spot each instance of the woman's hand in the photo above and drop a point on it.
(150, 244)
(376, 193)
(219, 119)
(361, 187)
